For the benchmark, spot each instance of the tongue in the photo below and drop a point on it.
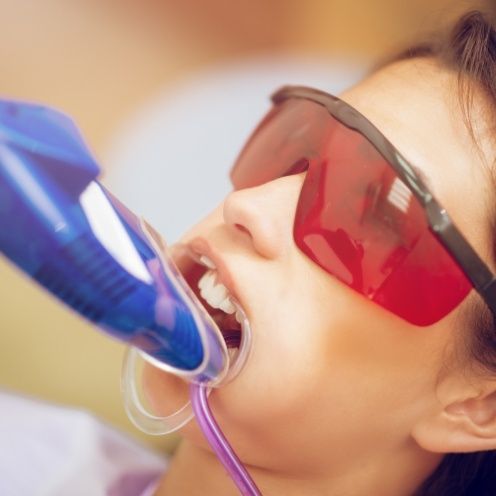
(233, 338)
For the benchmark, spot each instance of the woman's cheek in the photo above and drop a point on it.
(272, 384)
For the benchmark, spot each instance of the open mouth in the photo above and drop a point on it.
(202, 277)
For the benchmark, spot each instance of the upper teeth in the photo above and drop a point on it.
(207, 262)
(215, 293)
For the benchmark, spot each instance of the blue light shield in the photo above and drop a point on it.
(69, 234)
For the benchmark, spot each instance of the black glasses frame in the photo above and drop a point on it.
(441, 225)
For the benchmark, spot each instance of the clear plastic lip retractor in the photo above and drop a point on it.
(137, 411)
(157, 425)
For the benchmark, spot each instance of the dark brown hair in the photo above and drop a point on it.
(468, 47)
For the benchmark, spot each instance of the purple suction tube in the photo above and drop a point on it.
(216, 438)
(219, 443)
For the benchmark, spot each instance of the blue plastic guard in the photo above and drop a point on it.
(73, 237)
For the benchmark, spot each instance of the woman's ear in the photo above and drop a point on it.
(462, 418)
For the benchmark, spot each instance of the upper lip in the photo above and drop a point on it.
(200, 246)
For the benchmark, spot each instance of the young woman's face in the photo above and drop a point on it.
(332, 375)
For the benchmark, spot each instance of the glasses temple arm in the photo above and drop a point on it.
(475, 269)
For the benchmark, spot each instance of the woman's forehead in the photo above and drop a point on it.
(416, 104)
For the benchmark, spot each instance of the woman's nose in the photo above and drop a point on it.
(265, 214)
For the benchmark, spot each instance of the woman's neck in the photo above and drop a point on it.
(195, 471)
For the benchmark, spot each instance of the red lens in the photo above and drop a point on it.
(291, 134)
(355, 217)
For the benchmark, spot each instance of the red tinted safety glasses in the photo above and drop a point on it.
(364, 215)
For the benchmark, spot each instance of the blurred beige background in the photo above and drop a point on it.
(98, 60)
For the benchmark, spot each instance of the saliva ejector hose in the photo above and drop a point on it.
(64, 229)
